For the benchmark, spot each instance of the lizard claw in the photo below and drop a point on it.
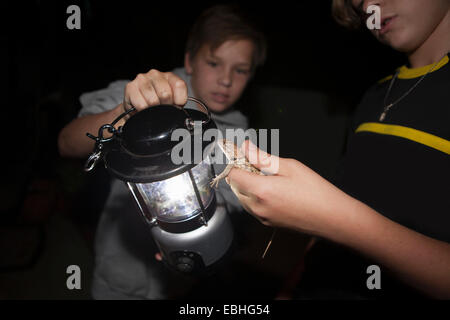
(215, 182)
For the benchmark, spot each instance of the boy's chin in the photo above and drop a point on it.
(217, 107)
(397, 44)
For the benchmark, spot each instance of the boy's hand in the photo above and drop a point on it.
(154, 88)
(291, 196)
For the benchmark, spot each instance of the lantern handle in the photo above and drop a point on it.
(189, 122)
(97, 154)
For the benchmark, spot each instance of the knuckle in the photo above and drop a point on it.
(180, 84)
(153, 100)
(165, 94)
(140, 78)
(153, 73)
(138, 105)
(129, 86)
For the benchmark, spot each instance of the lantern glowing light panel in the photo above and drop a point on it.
(174, 199)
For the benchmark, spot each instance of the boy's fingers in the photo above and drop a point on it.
(134, 97)
(246, 201)
(244, 182)
(179, 89)
(150, 96)
(267, 163)
(162, 87)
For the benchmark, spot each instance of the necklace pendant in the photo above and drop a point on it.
(385, 111)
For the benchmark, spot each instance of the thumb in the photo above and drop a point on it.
(243, 182)
(267, 163)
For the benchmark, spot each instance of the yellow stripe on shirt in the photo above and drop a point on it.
(418, 136)
(412, 73)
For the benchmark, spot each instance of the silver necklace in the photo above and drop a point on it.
(387, 107)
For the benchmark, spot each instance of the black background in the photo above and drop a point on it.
(45, 68)
(48, 66)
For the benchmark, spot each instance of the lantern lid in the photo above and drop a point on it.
(141, 152)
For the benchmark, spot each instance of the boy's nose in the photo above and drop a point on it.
(225, 79)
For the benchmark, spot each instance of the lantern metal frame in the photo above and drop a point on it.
(206, 234)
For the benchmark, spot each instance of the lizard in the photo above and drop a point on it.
(236, 159)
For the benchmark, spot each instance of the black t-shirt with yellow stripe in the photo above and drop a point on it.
(400, 167)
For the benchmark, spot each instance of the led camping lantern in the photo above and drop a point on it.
(175, 200)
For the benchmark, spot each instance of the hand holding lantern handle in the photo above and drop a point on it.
(146, 90)
(156, 88)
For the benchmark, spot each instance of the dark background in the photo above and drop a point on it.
(46, 67)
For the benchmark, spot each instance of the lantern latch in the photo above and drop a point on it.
(97, 154)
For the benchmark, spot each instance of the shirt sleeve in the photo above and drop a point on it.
(102, 100)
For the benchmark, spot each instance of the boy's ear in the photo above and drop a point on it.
(187, 63)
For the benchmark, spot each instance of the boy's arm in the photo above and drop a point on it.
(420, 261)
(149, 89)
(72, 139)
(296, 197)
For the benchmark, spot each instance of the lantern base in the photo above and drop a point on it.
(194, 251)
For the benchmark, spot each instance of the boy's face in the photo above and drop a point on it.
(406, 24)
(220, 77)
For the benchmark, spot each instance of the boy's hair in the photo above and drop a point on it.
(221, 23)
(345, 14)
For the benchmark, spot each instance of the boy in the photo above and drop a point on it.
(223, 50)
(392, 204)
